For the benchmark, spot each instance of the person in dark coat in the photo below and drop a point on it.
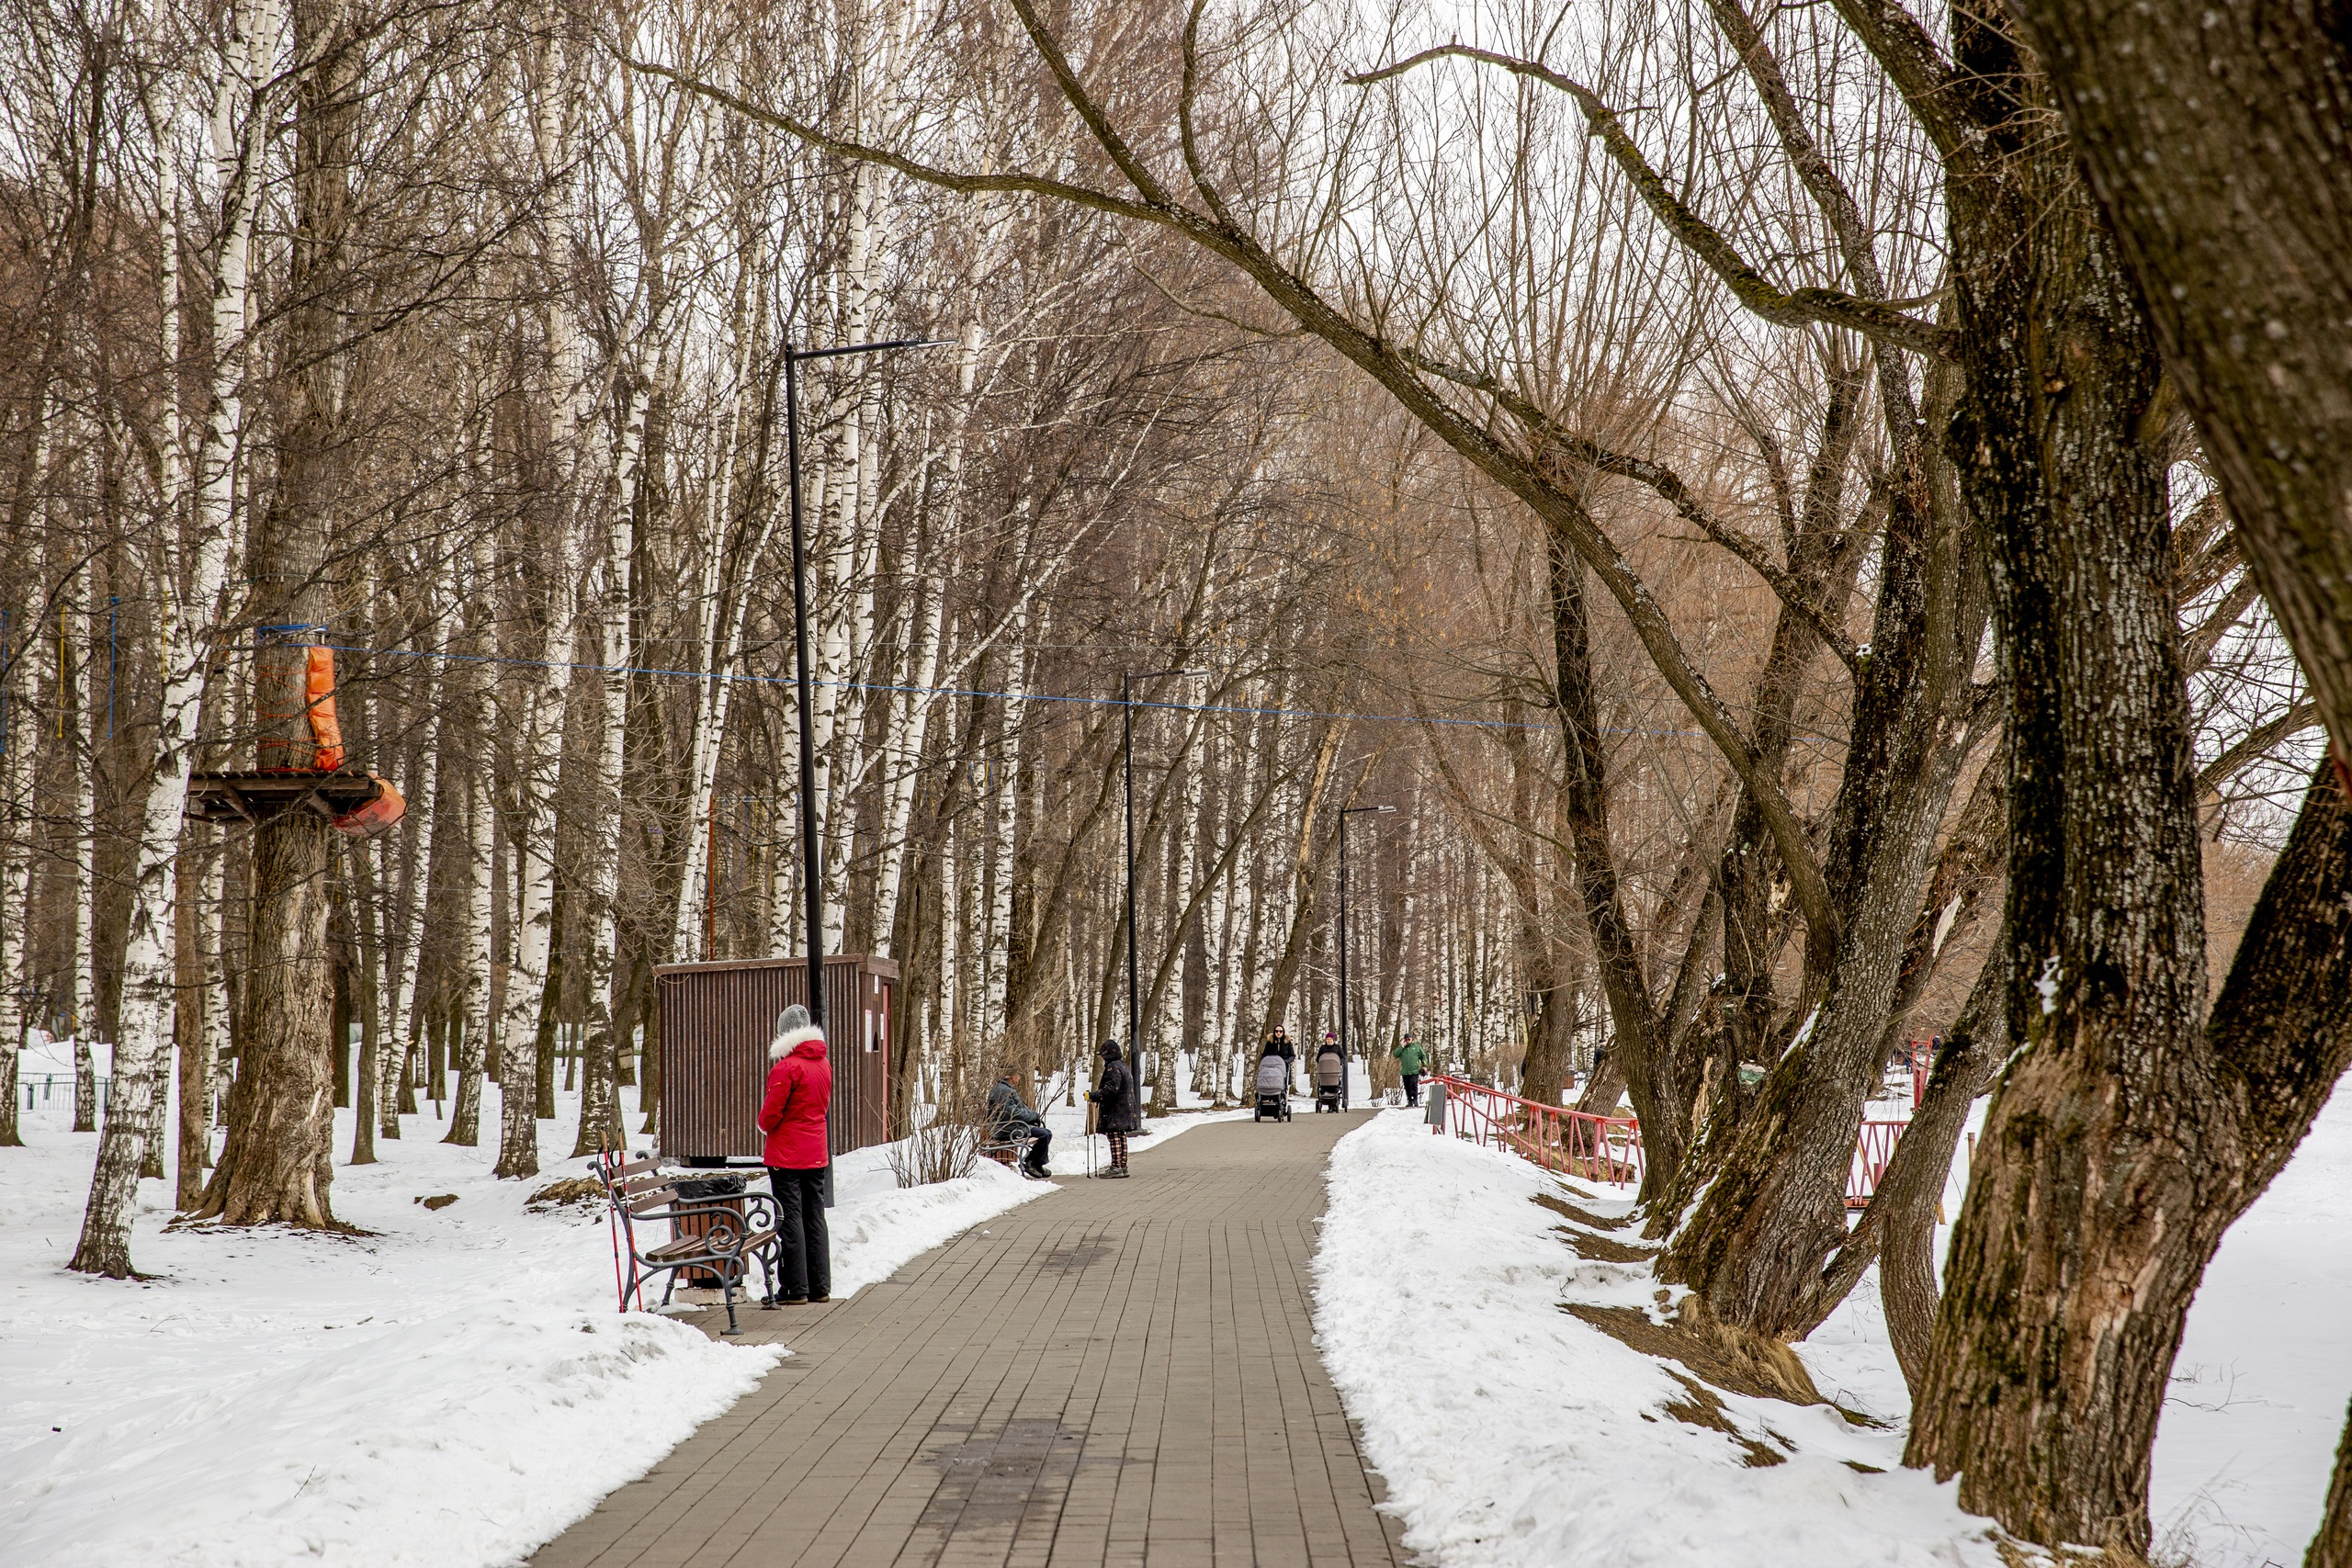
(791, 1114)
(1008, 1114)
(1117, 1112)
(1278, 1044)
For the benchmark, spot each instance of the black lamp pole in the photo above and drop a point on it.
(812, 861)
(1127, 746)
(1345, 813)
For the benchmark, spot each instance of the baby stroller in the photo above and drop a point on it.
(1330, 1067)
(1273, 1089)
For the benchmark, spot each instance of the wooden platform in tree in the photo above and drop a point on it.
(256, 796)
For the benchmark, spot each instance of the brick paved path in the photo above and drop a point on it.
(1119, 1373)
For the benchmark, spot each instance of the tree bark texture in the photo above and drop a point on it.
(2332, 1547)
(2219, 143)
(2101, 1196)
(277, 1163)
(2123, 1138)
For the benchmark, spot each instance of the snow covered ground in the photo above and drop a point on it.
(452, 1389)
(2248, 1435)
(1510, 1432)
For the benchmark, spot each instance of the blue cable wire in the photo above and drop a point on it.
(973, 691)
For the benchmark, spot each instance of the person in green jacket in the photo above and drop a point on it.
(1412, 1061)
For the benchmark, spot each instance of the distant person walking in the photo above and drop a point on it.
(1117, 1112)
(1411, 1061)
(1008, 1113)
(800, 1089)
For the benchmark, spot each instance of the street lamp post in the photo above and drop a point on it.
(1346, 812)
(812, 861)
(1127, 748)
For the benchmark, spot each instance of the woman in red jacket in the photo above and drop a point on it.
(800, 1086)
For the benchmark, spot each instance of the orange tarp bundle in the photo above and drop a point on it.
(376, 816)
(325, 729)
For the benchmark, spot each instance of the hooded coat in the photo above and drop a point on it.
(800, 1089)
(1116, 1105)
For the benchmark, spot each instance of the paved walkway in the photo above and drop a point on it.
(1123, 1372)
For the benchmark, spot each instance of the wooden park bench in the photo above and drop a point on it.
(719, 1236)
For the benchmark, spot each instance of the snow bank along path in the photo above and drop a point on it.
(1510, 1432)
(453, 1389)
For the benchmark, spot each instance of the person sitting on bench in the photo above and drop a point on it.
(1011, 1119)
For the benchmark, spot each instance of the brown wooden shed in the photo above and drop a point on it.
(716, 1021)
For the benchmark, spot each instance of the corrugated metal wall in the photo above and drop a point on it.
(716, 1021)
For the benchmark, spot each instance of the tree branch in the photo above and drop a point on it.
(1762, 297)
(1913, 61)
(1658, 476)
(1146, 183)
(842, 147)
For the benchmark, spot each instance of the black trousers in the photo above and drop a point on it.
(1041, 1140)
(804, 1252)
(1412, 1088)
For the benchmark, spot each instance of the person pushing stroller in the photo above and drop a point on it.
(1274, 1078)
(1330, 1075)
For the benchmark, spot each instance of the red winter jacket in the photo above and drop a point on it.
(800, 1085)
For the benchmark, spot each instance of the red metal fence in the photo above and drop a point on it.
(1873, 1147)
(1599, 1148)
(1607, 1148)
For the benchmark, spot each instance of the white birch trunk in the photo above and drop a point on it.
(600, 1126)
(546, 695)
(911, 713)
(474, 954)
(424, 798)
(192, 565)
(720, 644)
(85, 827)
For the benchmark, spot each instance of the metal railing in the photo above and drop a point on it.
(1608, 1148)
(42, 1088)
(1576, 1142)
(1873, 1150)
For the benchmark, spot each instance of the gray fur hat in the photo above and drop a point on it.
(792, 1028)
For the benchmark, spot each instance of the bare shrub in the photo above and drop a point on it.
(947, 1144)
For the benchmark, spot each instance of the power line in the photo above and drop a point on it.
(1234, 709)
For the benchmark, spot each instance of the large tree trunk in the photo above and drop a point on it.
(2216, 140)
(1637, 1042)
(277, 1165)
(2127, 1132)
(1772, 1205)
(2093, 1214)
(150, 965)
